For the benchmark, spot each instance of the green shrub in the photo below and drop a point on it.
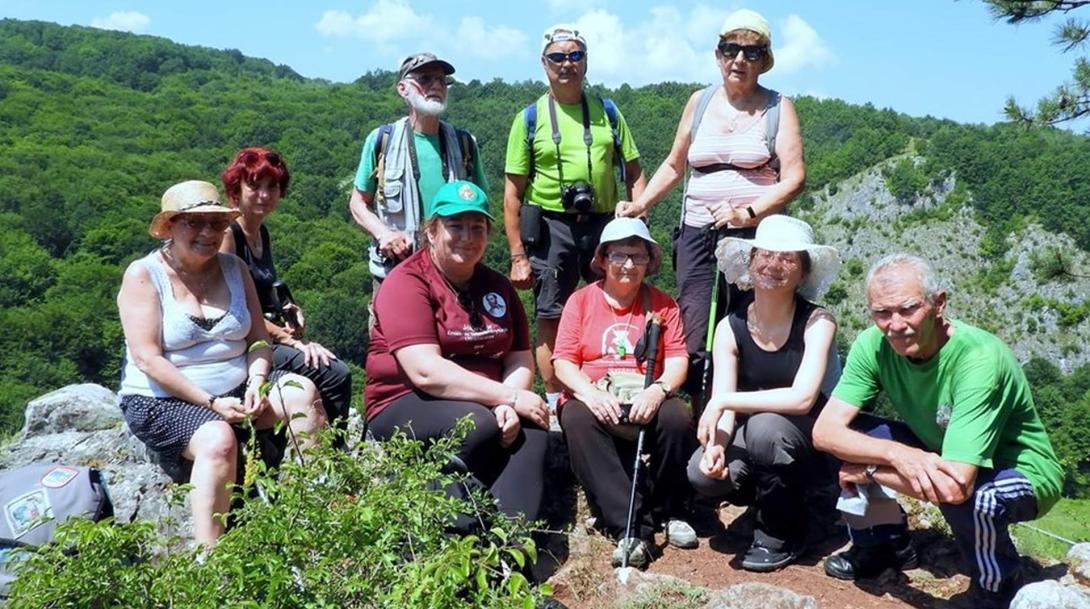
(367, 529)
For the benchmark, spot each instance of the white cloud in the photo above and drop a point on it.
(387, 21)
(395, 29)
(502, 41)
(125, 21)
(570, 6)
(670, 44)
(800, 47)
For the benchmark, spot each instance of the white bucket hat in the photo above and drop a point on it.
(620, 229)
(780, 234)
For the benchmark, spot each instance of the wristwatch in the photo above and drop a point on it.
(666, 390)
(870, 471)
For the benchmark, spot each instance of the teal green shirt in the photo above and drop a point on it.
(970, 402)
(431, 167)
(544, 188)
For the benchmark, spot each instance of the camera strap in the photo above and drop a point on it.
(588, 139)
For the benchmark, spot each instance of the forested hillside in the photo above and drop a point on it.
(94, 125)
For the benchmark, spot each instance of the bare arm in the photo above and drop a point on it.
(670, 172)
(799, 398)
(439, 377)
(635, 179)
(393, 244)
(919, 473)
(514, 186)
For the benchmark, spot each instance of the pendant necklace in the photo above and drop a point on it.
(620, 348)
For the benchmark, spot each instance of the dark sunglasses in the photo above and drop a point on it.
(427, 80)
(559, 58)
(251, 156)
(752, 52)
(475, 320)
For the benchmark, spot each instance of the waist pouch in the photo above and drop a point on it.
(530, 225)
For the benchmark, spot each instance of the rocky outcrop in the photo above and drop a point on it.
(82, 425)
(1051, 594)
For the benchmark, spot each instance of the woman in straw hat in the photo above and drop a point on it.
(775, 365)
(189, 313)
(599, 336)
(451, 341)
(742, 144)
(254, 183)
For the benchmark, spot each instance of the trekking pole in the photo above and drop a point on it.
(654, 331)
(706, 373)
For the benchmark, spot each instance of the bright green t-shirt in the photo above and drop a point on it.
(544, 188)
(431, 167)
(970, 402)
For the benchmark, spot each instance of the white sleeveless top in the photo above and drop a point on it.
(713, 143)
(214, 360)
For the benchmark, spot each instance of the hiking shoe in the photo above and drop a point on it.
(638, 555)
(762, 560)
(861, 563)
(680, 534)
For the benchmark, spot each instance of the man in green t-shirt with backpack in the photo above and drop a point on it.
(971, 441)
(559, 188)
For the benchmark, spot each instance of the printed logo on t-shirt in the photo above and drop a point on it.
(616, 341)
(942, 416)
(494, 305)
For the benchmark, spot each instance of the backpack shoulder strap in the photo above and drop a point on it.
(529, 116)
(612, 114)
(468, 145)
(382, 146)
(701, 107)
(772, 127)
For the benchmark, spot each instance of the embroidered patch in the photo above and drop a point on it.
(466, 192)
(59, 476)
(27, 511)
(494, 304)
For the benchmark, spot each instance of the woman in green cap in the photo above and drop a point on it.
(451, 340)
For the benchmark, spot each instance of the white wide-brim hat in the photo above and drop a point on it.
(780, 234)
(619, 229)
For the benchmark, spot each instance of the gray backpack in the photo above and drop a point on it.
(36, 498)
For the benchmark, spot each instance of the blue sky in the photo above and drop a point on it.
(945, 58)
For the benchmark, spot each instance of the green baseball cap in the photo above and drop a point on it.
(459, 197)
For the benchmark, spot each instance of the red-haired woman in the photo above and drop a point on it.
(254, 182)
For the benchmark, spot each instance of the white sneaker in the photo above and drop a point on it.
(680, 534)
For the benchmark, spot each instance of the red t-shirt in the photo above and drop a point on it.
(598, 338)
(417, 306)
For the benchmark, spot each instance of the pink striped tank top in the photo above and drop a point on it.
(747, 146)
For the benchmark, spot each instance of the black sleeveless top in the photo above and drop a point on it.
(261, 269)
(759, 369)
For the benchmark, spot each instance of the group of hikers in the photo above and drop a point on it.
(771, 415)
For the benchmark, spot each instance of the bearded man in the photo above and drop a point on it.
(403, 164)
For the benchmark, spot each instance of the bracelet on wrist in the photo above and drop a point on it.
(211, 400)
(518, 255)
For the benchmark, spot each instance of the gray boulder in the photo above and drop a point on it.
(1051, 594)
(85, 407)
(1078, 563)
(82, 425)
(756, 595)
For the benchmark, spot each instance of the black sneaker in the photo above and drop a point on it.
(762, 559)
(862, 563)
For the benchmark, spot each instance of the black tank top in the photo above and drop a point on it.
(261, 269)
(759, 369)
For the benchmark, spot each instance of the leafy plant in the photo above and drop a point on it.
(362, 529)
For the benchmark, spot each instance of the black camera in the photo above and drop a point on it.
(280, 310)
(578, 197)
(626, 412)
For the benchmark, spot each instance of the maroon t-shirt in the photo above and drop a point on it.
(417, 306)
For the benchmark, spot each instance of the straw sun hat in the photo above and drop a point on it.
(780, 234)
(191, 197)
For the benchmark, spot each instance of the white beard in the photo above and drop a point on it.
(422, 104)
